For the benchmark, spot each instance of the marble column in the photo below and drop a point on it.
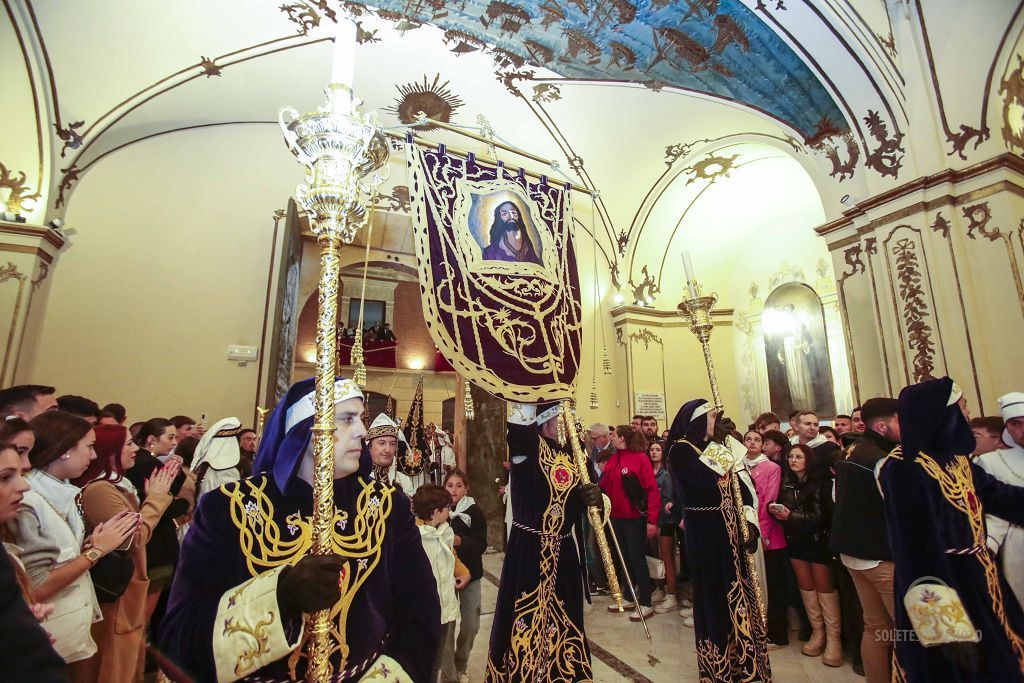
(485, 452)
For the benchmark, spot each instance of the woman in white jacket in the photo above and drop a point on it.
(51, 535)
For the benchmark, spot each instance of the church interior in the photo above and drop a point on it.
(844, 177)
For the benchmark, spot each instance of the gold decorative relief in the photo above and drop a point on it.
(433, 99)
(915, 308)
(1012, 90)
(18, 191)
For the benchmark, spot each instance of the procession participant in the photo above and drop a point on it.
(247, 562)
(382, 442)
(947, 588)
(730, 635)
(1007, 465)
(217, 455)
(537, 633)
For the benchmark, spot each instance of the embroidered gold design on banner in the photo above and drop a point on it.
(358, 539)
(529, 311)
(956, 483)
(546, 645)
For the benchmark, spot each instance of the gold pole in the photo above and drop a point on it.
(346, 158)
(261, 423)
(592, 512)
(323, 441)
(697, 312)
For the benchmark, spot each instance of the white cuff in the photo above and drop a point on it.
(751, 516)
(248, 633)
(386, 670)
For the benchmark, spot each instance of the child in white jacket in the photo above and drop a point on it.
(431, 505)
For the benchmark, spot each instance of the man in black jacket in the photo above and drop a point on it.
(859, 533)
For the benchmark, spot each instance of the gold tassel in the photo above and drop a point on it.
(607, 363)
(467, 402)
(359, 367)
(593, 395)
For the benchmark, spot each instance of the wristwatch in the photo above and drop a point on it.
(93, 555)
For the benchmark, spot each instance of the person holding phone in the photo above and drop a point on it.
(803, 507)
(120, 637)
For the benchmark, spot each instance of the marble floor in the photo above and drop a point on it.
(622, 653)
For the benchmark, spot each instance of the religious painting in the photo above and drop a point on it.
(796, 351)
(497, 270)
(503, 227)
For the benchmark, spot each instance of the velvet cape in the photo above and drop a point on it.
(730, 636)
(935, 501)
(537, 633)
(395, 612)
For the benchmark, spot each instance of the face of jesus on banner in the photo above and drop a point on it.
(508, 237)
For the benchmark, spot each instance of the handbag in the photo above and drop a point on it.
(111, 575)
(655, 567)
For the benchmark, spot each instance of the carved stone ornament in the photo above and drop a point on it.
(915, 308)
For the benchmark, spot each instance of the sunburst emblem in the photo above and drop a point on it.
(712, 168)
(434, 99)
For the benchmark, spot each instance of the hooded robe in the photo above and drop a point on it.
(537, 633)
(947, 587)
(729, 632)
(223, 620)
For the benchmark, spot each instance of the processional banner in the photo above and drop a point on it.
(497, 268)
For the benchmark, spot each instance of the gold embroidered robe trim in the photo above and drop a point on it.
(546, 643)
(248, 631)
(358, 539)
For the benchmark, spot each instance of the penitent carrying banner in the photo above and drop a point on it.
(501, 294)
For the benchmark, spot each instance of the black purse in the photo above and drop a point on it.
(111, 575)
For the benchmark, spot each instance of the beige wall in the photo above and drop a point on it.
(168, 267)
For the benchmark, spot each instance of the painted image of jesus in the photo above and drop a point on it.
(509, 239)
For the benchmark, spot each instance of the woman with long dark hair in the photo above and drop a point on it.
(669, 514)
(803, 508)
(52, 535)
(628, 481)
(120, 637)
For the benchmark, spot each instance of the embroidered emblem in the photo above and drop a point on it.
(561, 477)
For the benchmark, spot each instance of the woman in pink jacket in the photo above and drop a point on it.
(767, 477)
(628, 480)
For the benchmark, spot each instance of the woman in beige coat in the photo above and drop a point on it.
(120, 637)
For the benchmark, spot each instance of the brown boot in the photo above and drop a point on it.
(831, 615)
(816, 645)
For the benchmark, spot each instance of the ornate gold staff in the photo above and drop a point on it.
(697, 312)
(592, 512)
(345, 156)
(261, 422)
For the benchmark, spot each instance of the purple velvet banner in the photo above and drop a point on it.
(498, 277)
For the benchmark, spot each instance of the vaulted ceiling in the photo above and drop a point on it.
(613, 91)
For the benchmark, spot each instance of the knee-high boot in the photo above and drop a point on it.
(833, 620)
(816, 645)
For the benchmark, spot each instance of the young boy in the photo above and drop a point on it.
(431, 503)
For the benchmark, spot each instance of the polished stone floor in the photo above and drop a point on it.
(622, 653)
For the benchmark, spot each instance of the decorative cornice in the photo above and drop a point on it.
(35, 232)
(949, 176)
(652, 317)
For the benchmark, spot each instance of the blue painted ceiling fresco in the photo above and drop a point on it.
(715, 47)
